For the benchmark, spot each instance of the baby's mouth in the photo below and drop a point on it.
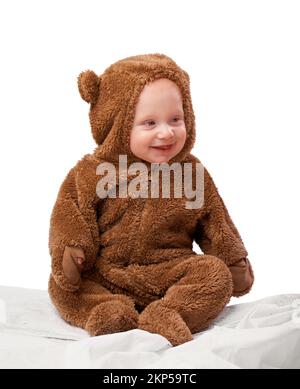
(163, 147)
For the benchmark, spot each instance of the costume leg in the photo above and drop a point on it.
(201, 287)
(94, 308)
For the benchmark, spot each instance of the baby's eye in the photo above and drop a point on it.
(150, 122)
(177, 119)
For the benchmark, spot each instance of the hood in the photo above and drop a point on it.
(113, 97)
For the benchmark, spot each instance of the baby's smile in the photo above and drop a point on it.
(164, 148)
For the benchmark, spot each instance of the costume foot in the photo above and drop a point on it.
(111, 317)
(159, 319)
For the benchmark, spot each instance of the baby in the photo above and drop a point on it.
(124, 262)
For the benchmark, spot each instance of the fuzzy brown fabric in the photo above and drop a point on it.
(136, 266)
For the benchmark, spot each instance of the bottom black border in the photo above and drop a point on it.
(145, 377)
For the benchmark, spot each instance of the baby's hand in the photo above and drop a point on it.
(73, 259)
(242, 276)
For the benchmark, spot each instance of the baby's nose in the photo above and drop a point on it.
(166, 132)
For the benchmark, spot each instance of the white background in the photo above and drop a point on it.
(243, 58)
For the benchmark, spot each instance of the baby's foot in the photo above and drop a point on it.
(110, 317)
(159, 319)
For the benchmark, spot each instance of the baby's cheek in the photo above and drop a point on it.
(183, 133)
(181, 138)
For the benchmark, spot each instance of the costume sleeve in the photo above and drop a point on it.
(74, 221)
(215, 232)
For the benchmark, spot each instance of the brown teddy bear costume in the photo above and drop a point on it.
(139, 268)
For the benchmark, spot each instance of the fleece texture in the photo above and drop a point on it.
(140, 270)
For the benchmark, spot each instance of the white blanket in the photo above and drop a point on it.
(260, 334)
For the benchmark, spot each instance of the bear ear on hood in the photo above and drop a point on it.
(88, 85)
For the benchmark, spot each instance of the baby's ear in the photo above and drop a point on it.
(88, 85)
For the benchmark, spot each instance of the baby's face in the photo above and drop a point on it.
(158, 132)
